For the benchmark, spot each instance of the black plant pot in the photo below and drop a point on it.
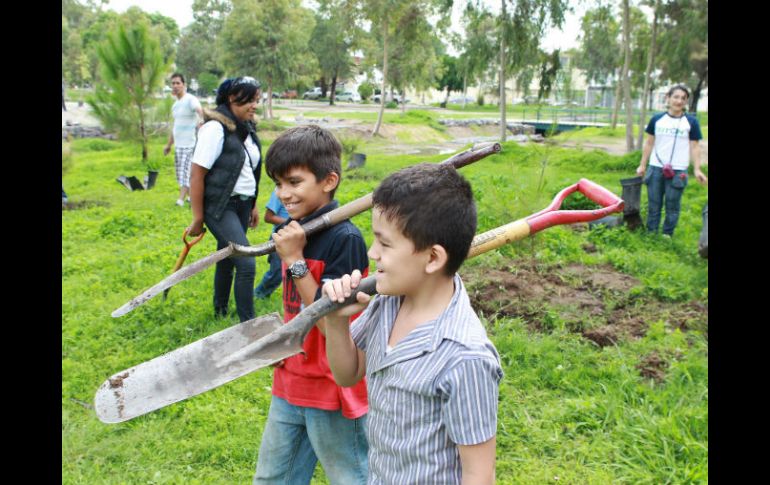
(149, 180)
(357, 160)
(632, 195)
(632, 198)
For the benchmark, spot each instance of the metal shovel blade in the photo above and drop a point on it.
(189, 370)
(175, 278)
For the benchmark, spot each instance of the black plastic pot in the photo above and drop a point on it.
(632, 198)
(632, 195)
(609, 221)
(357, 160)
(149, 180)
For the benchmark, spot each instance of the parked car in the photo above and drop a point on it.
(348, 96)
(314, 93)
(459, 100)
(396, 97)
(289, 94)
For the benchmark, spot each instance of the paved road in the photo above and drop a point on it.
(78, 114)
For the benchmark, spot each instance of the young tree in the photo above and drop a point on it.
(599, 46)
(549, 68)
(268, 39)
(132, 70)
(450, 79)
(385, 16)
(197, 53)
(520, 37)
(415, 53)
(479, 47)
(648, 72)
(332, 41)
(624, 76)
(684, 45)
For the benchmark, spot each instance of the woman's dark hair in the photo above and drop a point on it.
(680, 87)
(243, 88)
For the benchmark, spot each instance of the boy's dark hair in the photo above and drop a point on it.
(179, 75)
(431, 204)
(308, 146)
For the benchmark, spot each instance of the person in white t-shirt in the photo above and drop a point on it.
(672, 139)
(188, 116)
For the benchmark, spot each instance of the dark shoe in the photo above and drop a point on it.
(221, 312)
(260, 295)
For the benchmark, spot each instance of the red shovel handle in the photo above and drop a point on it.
(550, 216)
(195, 240)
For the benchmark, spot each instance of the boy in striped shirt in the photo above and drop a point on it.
(432, 373)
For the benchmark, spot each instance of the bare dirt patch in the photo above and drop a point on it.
(653, 366)
(595, 301)
(84, 204)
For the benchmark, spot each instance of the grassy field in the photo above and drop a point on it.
(571, 410)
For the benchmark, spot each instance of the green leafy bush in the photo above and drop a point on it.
(96, 145)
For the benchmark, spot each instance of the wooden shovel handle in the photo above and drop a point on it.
(549, 216)
(473, 154)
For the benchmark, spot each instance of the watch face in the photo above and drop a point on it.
(298, 269)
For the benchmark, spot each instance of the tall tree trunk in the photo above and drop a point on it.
(503, 123)
(403, 100)
(626, 81)
(333, 92)
(142, 133)
(269, 111)
(615, 110)
(696, 96)
(465, 89)
(648, 75)
(384, 76)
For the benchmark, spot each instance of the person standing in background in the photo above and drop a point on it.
(672, 139)
(276, 214)
(187, 113)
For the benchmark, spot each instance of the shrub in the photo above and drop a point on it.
(365, 90)
(66, 157)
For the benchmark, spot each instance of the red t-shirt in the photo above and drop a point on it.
(306, 379)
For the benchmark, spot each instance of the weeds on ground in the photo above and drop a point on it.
(570, 411)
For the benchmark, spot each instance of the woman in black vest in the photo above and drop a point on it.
(224, 181)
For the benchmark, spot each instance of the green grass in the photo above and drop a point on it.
(568, 409)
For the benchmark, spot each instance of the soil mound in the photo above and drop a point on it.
(595, 301)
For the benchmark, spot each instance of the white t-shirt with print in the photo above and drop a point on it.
(185, 120)
(672, 139)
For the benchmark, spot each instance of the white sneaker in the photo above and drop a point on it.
(180, 202)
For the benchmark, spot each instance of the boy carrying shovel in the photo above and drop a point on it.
(432, 373)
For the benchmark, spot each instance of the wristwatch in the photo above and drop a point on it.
(298, 269)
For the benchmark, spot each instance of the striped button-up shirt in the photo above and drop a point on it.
(436, 389)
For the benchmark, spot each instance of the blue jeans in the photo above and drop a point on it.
(659, 187)
(232, 227)
(296, 437)
(272, 279)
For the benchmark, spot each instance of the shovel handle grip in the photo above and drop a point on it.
(550, 216)
(195, 240)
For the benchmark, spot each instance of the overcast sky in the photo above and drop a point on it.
(181, 11)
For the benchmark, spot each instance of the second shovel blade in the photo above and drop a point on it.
(185, 372)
